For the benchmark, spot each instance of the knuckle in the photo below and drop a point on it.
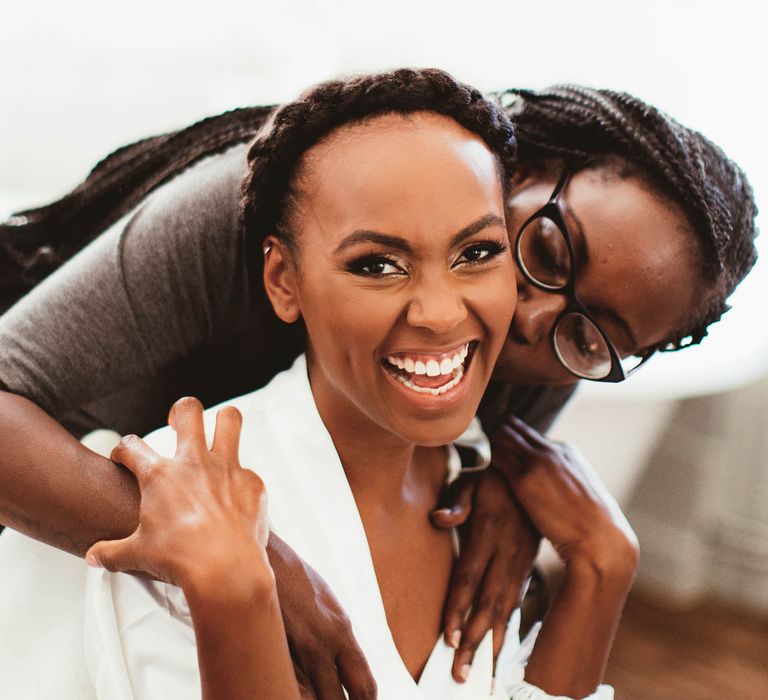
(467, 578)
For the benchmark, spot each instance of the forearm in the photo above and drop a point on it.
(573, 645)
(54, 489)
(241, 644)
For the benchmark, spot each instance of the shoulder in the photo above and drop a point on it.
(269, 414)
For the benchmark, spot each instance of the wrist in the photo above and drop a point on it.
(607, 561)
(230, 581)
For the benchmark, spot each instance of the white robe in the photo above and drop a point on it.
(139, 641)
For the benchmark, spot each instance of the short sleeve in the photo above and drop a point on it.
(156, 284)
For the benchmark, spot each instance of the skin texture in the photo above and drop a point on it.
(640, 266)
(202, 517)
(568, 504)
(448, 281)
(71, 498)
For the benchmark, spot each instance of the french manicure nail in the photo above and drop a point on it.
(464, 672)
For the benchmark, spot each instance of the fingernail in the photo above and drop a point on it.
(442, 511)
(454, 638)
(464, 672)
(92, 561)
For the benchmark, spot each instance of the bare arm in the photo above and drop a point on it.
(203, 526)
(56, 490)
(569, 506)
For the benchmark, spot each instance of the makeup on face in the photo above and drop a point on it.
(407, 285)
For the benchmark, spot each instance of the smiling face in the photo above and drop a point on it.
(636, 263)
(404, 278)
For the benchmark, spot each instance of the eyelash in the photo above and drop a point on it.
(358, 266)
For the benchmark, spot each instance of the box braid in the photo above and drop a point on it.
(582, 125)
(35, 242)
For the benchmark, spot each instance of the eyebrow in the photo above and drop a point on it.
(399, 243)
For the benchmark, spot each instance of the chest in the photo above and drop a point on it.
(412, 561)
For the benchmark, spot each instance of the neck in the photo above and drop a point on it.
(379, 465)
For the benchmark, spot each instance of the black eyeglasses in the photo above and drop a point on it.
(545, 254)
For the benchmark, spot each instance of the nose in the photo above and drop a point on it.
(437, 305)
(536, 313)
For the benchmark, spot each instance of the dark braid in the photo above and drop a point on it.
(294, 128)
(581, 125)
(35, 242)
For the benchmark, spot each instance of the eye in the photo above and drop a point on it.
(588, 339)
(543, 252)
(375, 266)
(480, 252)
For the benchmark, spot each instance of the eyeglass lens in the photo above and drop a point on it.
(544, 254)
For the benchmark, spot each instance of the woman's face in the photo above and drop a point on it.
(404, 277)
(636, 266)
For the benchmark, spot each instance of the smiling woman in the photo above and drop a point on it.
(172, 292)
(421, 282)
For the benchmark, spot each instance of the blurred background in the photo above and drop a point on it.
(684, 444)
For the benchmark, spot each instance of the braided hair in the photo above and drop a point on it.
(578, 124)
(275, 156)
(582, 125)
(34, 242)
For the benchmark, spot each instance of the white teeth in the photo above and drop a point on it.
(427, 390)
(430, 367)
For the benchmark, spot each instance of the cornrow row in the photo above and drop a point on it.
(579, 125)
(276, 154)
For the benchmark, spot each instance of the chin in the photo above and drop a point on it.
(436, 431)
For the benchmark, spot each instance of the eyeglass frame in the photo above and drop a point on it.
(553, 210)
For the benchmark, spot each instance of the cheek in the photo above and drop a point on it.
(347, 322)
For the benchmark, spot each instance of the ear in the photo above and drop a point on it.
(280, 280)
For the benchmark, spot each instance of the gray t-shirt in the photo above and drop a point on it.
(164, 305)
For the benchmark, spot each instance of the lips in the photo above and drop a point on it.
(430, 373)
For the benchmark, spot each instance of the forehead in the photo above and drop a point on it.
(418, 173)
(643, 258)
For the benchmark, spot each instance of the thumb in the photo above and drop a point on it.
(456, 505)
(113, 555)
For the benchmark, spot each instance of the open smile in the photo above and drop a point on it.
(431, 373)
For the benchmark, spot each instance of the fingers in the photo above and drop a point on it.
(456, 506)
(475, 557)
(354, 672)
(530, 434)
(498, 596)
(138, 457)
(186, 418)
(324, 680)
(226, 438)
(114, 555)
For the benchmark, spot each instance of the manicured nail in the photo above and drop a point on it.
(92, 561)
(464, 672)
(454, 638)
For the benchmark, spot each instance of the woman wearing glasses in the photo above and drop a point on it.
(630, 232)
